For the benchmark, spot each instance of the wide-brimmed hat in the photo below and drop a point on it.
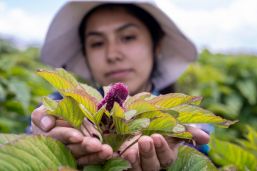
(62, 46)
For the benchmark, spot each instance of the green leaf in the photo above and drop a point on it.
(7, 138)
(49, 103)
(67, 108)
(138, 124)
(99, 114)
(248, 90)
(93, 168)
(67, 85)
(21, 92)
(130, 114)
(117, 111)
(179, 128)
(83, 98)
(59, 78)
(226, 153)
(250, 143)
(87, 113)
(174, 99)
(92, 92)
(118, 116)
(144, 109)
(191, 159)
(35, 153)
(116, 164)
(2, 93)
(194, 114)
(138, 97)
(115, 140)
(141, 106)
(162, 124)
(183, 135)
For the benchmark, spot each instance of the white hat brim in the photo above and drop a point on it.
(62, 46)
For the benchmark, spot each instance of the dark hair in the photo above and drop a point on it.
(148, 20)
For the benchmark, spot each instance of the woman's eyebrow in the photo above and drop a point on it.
(125, 26)
(93, 33)
(119, 29)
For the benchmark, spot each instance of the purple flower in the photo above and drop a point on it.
(117, 93)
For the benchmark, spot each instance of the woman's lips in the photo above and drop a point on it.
(119, 74)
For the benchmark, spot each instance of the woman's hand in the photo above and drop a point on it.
(155, 152)
(150, 153)
(85, 148)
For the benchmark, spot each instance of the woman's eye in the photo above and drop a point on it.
(128, 38)
(96, 44)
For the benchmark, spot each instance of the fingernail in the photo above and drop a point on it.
(158, 142)
(46, 122)
(146, 147)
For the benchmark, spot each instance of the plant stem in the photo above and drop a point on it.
(130, 145)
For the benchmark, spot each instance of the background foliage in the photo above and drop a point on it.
(20, 87)
(227, 83)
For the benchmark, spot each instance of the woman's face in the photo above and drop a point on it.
(119, 49)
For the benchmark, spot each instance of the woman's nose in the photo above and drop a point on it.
(113, 52)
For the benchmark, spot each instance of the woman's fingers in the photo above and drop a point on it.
(89, 129)
(87, 146)
(148, 158)
(166, 153)
(66, 135)
(104, 154)
(41, 120)
(132, 155)
(199, 136)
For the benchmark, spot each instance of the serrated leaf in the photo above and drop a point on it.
(87, 113)
(117, 111)
(59, 78)
(92, 92)
(67, 109)
(67, 85)
(174, 99)
(49, 103)
(116, 164)
(118, 116)
(191, 159)
(82, 97)
(144, 109)
(234, 154)
(139, 96)
(35, 153)
(99, 114)
(195, 114)
(162, 124)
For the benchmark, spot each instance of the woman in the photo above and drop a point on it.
(130, 42)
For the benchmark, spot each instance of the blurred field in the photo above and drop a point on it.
(226, 82)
